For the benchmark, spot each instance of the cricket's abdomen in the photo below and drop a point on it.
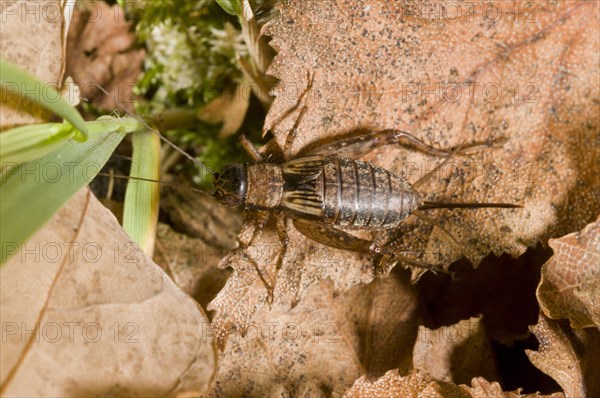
(346, 192)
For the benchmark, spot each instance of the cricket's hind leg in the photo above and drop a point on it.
(387, 248)
(330, 236)
(359, 143)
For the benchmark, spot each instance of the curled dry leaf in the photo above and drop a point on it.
(483, 388)
(569, 356)
(455, 353)
(570, 286)
(421, 384)
(100, 49)
(85, 313)
(527, 74)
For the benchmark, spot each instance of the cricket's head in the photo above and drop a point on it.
(230, 185)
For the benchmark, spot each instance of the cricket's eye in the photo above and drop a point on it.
(230, 185)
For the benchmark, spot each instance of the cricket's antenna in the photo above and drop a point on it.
(123, 177)
(163, 138)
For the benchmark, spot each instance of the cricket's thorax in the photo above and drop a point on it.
(265, 186)
(339, 191)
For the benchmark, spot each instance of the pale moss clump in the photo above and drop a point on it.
(176, 60)
(192, 48)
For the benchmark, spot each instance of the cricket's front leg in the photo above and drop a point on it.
(259, 219)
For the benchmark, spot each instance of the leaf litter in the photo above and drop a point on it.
(322, 345)
(102, 53)
(370, 74)
(365, 70)
(570, 286)
(420, 384)
(528, 79)
(568, 355)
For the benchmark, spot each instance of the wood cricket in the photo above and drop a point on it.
(328, 192)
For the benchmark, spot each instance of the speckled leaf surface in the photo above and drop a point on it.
(528, 74)
(570, 286)
(567, 355)
(420, 384)
(322, 345)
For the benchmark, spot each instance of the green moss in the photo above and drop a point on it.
(192, 49)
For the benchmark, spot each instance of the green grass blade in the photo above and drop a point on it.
(140, 212)
(31, 192)
(27, 143)
(15, 80)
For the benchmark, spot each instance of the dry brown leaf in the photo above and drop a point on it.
(385, 316)
(568, 356)
(570, 286)
(229, 109)
(392, 385)
(364, 55)
(420, 384)
(85, 313)
(32, 39)
(483, 388)
(455, 353)
(305, 264)
(307, 351)
(323, 344)
(373, 65)
(100, 53)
